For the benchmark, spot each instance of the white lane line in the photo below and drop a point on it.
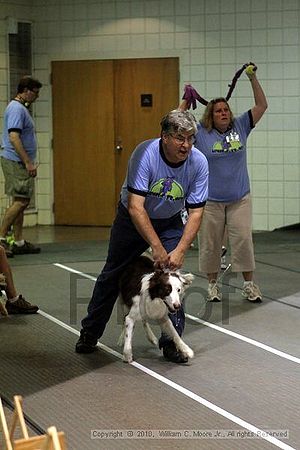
(170, 383)
(211, 325)
(72, 330)
(248, 426)
(69, 269)
(246, 339)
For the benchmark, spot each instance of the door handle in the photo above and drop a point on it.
(119, 146)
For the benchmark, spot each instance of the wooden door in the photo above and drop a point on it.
(97, 109)
(134, 123)
(83, 142)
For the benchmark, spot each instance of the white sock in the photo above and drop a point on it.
(248, 283)
(2, 238)
(20, 243)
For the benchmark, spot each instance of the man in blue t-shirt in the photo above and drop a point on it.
(164, 177)
(18, 164)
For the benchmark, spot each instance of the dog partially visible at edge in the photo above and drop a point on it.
(150, 295)
(3, 297)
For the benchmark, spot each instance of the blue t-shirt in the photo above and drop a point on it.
(17, 118)
(227, 159)
(167, 187)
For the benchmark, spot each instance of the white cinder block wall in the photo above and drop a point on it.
(212, 38)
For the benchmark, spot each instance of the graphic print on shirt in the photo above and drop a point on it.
(230, 143)
(167, 188)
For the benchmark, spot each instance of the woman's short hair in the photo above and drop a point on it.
(207, 119)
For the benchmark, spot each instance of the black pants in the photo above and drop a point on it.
(125, 245)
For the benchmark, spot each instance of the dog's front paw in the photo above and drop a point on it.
(191, 353)
(188, 352)
(127, 358)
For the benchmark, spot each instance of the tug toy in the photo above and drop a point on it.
(191, 95)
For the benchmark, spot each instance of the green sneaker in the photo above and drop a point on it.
(10, 239)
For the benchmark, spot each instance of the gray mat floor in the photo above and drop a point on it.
(244, 377)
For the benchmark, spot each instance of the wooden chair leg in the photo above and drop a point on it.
(8, 444)
(52, 440)
(18, 416)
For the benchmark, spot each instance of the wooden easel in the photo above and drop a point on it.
(52, 440)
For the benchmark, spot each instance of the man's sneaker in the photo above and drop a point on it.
(86, 343)
(252, 293)
(25, 249)
(7, 248)
(171, 353)
(21, 306)
(223, 258)
(213, 292)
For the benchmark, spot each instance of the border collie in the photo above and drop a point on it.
(3, 297)
(150, 295)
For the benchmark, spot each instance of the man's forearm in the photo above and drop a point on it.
(190, 230)
(143, 225)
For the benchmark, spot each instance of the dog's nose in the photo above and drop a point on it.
(176, 305)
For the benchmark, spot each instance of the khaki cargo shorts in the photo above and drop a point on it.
(237, 217)
(18, 183)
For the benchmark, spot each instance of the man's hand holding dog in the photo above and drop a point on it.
(163, 260)
(160, 257)
(176, 259)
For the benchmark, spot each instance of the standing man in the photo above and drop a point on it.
(18, 164)
(164, 176)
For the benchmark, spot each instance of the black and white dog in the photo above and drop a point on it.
(150, 295)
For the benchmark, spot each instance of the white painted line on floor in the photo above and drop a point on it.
(67, 327)
(213, 407)
(211, 325)
(176, 386)
(69, 269)
(261, 433)
(246, 339)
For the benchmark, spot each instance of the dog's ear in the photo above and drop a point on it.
(187, 278)
(157, 273)
(158, 285)
(163, 289)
